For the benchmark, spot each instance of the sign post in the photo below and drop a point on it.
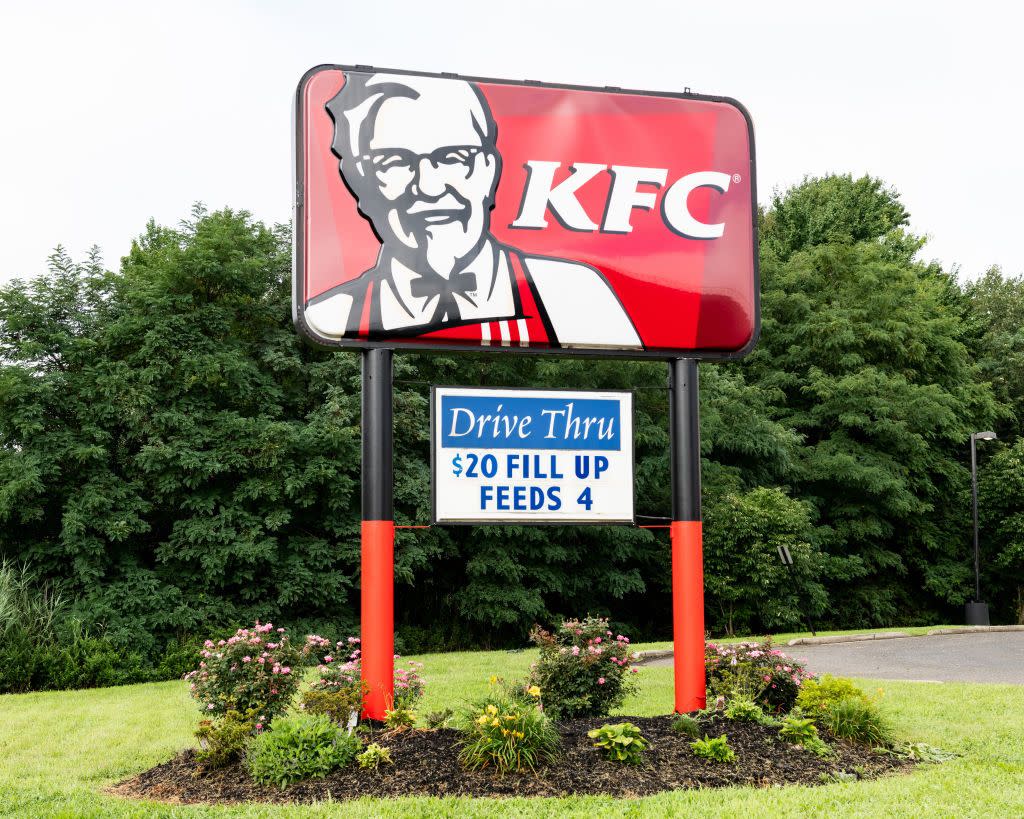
(377, 619)
(687, 538)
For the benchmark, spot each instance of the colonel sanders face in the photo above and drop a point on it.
(419, 154)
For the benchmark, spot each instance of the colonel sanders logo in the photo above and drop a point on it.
(420, 156)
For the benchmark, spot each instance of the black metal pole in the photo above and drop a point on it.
(974, 504)
(687, 538)
(976, 611)
(377, 421)
(684, 429)
(377, 576)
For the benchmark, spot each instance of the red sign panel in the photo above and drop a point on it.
(447, 212)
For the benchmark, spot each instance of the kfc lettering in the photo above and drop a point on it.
(441, 212)
(624, 196)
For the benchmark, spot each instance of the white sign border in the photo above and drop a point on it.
(631, 521)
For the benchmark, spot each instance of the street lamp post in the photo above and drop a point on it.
(976, 610)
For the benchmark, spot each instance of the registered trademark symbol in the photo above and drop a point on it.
(737, 178)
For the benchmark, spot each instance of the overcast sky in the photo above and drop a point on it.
(118, 112)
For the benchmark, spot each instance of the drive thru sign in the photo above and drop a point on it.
(535, 456)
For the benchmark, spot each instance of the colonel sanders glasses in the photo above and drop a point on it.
(392, 164)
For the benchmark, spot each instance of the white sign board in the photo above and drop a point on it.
(531, 456)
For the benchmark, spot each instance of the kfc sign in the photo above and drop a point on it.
(441, 212)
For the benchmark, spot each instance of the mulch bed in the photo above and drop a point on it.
(426, 764)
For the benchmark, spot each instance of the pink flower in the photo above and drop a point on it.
(259, 726)
(328, 659)
(600, 680)
(210, 706)
(575, 651)
(634, 670)
(286, 670)
(247, 659)
(597, 639)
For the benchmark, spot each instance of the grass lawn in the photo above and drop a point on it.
(59, 750)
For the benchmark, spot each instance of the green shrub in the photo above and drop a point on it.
(252, 670)
(858, 720)
(755, 671)
(744, 710)
(374, 756)
(338, 706)
(180, 656)
(584, 669)
(339, 669)
(686, 725)
(222, 741)
(716, 749)
(818, 695)
(508, 733)
(298, 748)
(439, 719)
(399, 719)
(803, 732)
(622, 742)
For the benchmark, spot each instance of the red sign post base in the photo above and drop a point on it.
(378, 616)
(688, 615)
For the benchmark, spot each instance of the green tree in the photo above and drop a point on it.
(1001, 516)
(836, 209)
(996, 302)
(874, 365)
(747, 587)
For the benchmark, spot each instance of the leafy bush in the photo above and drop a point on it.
(222, 741)
(622, 742)
(818, 695)
(334, 675)
(507, 732)
(298, 748)
(252, 670)
(686, 725)
(43, 647)
(716, 749)
(399, 719)
(744, 710)
(756, 671)
(858, 720)
(338, 706)
(179, 657)
(803, 732)
(374, 756)
(439, 719)
(583, 669)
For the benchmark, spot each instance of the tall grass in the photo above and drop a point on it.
(28, 606)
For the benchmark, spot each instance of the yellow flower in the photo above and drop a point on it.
(519, 734)
(492, 710)
(881, 692)
(483, 719)
(533, 690)
(504, 732)
(496, 722)
(510, 716)
(494, 678)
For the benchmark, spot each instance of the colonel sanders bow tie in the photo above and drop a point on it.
(447, 308)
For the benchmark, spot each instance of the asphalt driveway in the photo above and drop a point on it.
(996, 657)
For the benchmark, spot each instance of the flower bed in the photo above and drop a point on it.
(426, 763)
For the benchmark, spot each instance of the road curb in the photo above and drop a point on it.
(973, 630)
(847, 638)
(653, 654)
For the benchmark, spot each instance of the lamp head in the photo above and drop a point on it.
(985, 436)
